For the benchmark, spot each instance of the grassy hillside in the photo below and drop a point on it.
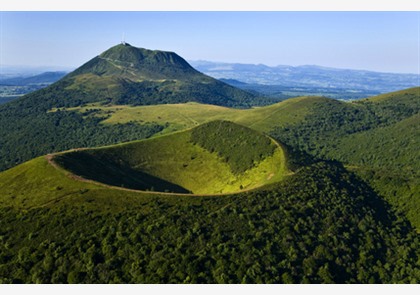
(394, 146)
(182, 116)
(321, 114)
(32, 131)
(175, 163)
(353, 133)
(240, 147)
(125, 74)
(121, 75)
(379, 135)
(403, 96)
(322, 225)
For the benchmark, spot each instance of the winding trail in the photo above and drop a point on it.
(53, 201)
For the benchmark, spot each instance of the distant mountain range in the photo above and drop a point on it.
(276, 83)
(308, 76)
(125, 74)
(15, 85)
(45, 78)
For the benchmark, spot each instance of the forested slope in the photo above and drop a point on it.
(322, 225)
(378, 138)
(121, 75)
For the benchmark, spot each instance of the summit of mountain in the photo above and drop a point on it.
(125, 74)
(138, 64)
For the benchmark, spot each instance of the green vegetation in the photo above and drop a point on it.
(388, 157)
(110, 170)
(241, 147)
(323, 225)
(128, 75)
(378, 135)
(353, 133)
(378, 138)
(177, 117)
(28, 130)
(120, 75)
(5, 99)
(175, 163)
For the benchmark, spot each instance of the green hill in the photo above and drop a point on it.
(121, 75)
(175, 117)
(378, 138)
(389, 158)
(321, 225)
(181, 163)
(352, 133)
(129, 75)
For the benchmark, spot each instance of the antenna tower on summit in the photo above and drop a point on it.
(123, 39)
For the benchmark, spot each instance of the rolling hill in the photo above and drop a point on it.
(324, 128)
(377, 134)
(122, 74)
(321, 224)
(378, 138)
(175, 117)
(199, 193)
(214, 158)
(181, 163)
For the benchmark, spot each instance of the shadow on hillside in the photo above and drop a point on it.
(107, 171)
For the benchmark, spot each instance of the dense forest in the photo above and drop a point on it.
(241, 147)
(322, 225)
(377, 138)
(29, 129)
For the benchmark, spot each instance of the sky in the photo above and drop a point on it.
(377, 41)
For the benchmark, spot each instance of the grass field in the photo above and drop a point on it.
(38, 184)
(188, 115)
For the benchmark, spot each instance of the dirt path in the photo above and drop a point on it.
(53, 201)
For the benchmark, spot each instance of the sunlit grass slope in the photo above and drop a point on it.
(410, 94)
(174, 163)
(38, 184)
(183, 116)
(171, 160)
(35, 183)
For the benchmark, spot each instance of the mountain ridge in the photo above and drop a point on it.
(125, 74)
(143, 61)
(308, 76)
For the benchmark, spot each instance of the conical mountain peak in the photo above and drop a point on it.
(125, 74)
(136, 63)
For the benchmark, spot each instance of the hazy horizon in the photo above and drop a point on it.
(57, 68)
(371, 41)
